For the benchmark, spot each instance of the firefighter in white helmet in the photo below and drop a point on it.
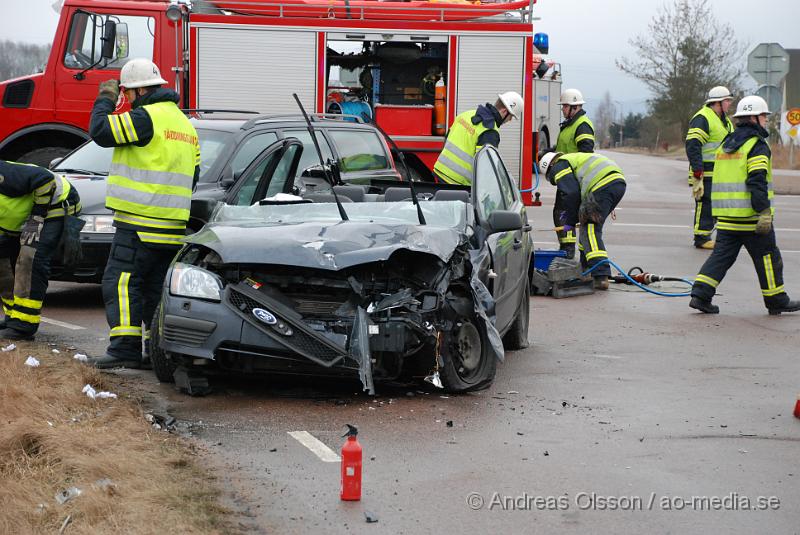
(707, 129)
(742, 202)
(472, 130)
(576, 135)
(153, 172)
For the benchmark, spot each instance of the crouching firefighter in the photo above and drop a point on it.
(153, 172)
(589, 187)
(33, 203)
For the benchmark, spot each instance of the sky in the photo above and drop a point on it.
(586, 36)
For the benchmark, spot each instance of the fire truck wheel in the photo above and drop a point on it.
(43, 156)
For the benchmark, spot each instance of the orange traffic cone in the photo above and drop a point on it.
(797, 407)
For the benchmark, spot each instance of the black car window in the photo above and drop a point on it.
(211, 144)
(488, 194)
(250, 183)
(359, 150)
(249, 149)
(504, 178)
(309, 158)
(281, 175)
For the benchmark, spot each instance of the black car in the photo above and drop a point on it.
(375, 287)
(227, 147)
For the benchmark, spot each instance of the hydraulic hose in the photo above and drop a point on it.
(641, 286)
(536, 184)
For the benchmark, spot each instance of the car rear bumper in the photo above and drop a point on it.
(95, 248)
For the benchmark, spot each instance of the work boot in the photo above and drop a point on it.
(13, 334)
(705, 245)
(790, 306)
(601, 283)
(704, 306)
(106, 362)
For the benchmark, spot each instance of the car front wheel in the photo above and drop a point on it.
(467, 362)
(163, 366)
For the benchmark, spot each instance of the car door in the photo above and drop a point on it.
(487, 196)
(272, 172)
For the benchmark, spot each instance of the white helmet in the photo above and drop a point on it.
(140, 72)
(547, 160)
(573, 97)
(718, 94)
(513, 103)
(752, 105)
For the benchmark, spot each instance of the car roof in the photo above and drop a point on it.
(251, 122)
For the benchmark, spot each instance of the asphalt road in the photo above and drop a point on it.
(629, 413)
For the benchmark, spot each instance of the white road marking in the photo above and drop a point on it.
(653, 225)
(70, 326)
(317, 448)
(606, 357)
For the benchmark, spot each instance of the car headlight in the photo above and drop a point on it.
(98, 223)
(192, 281)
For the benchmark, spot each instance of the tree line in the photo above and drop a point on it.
(20, 59)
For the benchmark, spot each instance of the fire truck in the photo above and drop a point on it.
(381, 60)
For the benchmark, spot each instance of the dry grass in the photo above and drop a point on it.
(52, 437)
(780, 157)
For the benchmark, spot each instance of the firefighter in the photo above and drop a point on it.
(707, 129)
(741, 200)
(576, 135)
(589, 187)
(33, 202)
(153, 172)
(472, 130)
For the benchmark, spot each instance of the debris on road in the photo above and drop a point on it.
(105, 485)
(67, 494)
(80, 357)
(546, 453)
(65, 524)
(160, 422)
(94, 394)
(33, 362)
(371, 518)
(9, 347)
(449, 423)
(56, 352)
(434, 379)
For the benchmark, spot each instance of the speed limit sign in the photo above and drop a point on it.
(793, 116)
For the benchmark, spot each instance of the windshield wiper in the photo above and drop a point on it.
(78, 171)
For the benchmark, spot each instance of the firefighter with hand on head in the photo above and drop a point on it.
(576, 135)
(707, 129)
(472, 130)
(149, 188)
(589, 187)
(33, 203)
(742, 202)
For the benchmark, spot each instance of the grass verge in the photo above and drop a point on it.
(53, 437)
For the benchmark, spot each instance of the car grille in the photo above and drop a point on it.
(184, 336)
(300, 341)
(316, 307)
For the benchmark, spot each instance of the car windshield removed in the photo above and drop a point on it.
(450, 214)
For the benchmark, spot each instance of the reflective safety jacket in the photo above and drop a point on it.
(469, 132)
(578, 174)
(705, 135)
(576, 135)
(154, 167)
(27, 189)
(742, 186)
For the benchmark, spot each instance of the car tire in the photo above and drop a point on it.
(43, 156)
(467, 361)
(517, 336)
(163, 365)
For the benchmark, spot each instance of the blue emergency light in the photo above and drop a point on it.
(542, 42)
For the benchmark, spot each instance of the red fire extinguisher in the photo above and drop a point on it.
(351, 466)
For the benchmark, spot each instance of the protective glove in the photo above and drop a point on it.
(32, 231)
(764, 222)
(568, 228)
(697, 188)
(109, 89)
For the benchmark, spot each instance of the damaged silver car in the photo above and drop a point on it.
(369, 283)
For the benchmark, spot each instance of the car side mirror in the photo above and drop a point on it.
(503, 221)
(109, 39)
(227, 180)
(201, 212)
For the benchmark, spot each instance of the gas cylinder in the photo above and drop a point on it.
(351, 466)
(440, 108)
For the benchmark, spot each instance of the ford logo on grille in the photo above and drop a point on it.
(264, 316)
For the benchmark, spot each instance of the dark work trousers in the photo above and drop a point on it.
(132, 284)
(703, 221)
(766, 259)
(23, 298)
(566, 240)
(590, 240)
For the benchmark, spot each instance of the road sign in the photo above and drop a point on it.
(768, 63)
(793, 116)
(772, 95)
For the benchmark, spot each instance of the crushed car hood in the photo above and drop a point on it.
(330, 246)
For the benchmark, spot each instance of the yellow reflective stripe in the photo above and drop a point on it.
(27, 303)
(561, 174)
(769, 271)
(197, 156)
(773, 291)
(592, 238)
(584, 136)
(605, 180)
(706, 280)
(122, 295)
(596, 254)
(127, 124)
(739, 227)
(113, 120)
(126, 330)
(568, 238)
(8, 302)
(152, 237)
(149, 221)
(28, 318)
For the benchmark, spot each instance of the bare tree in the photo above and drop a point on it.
(603, 118)
(19, 59)
(684, 53)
